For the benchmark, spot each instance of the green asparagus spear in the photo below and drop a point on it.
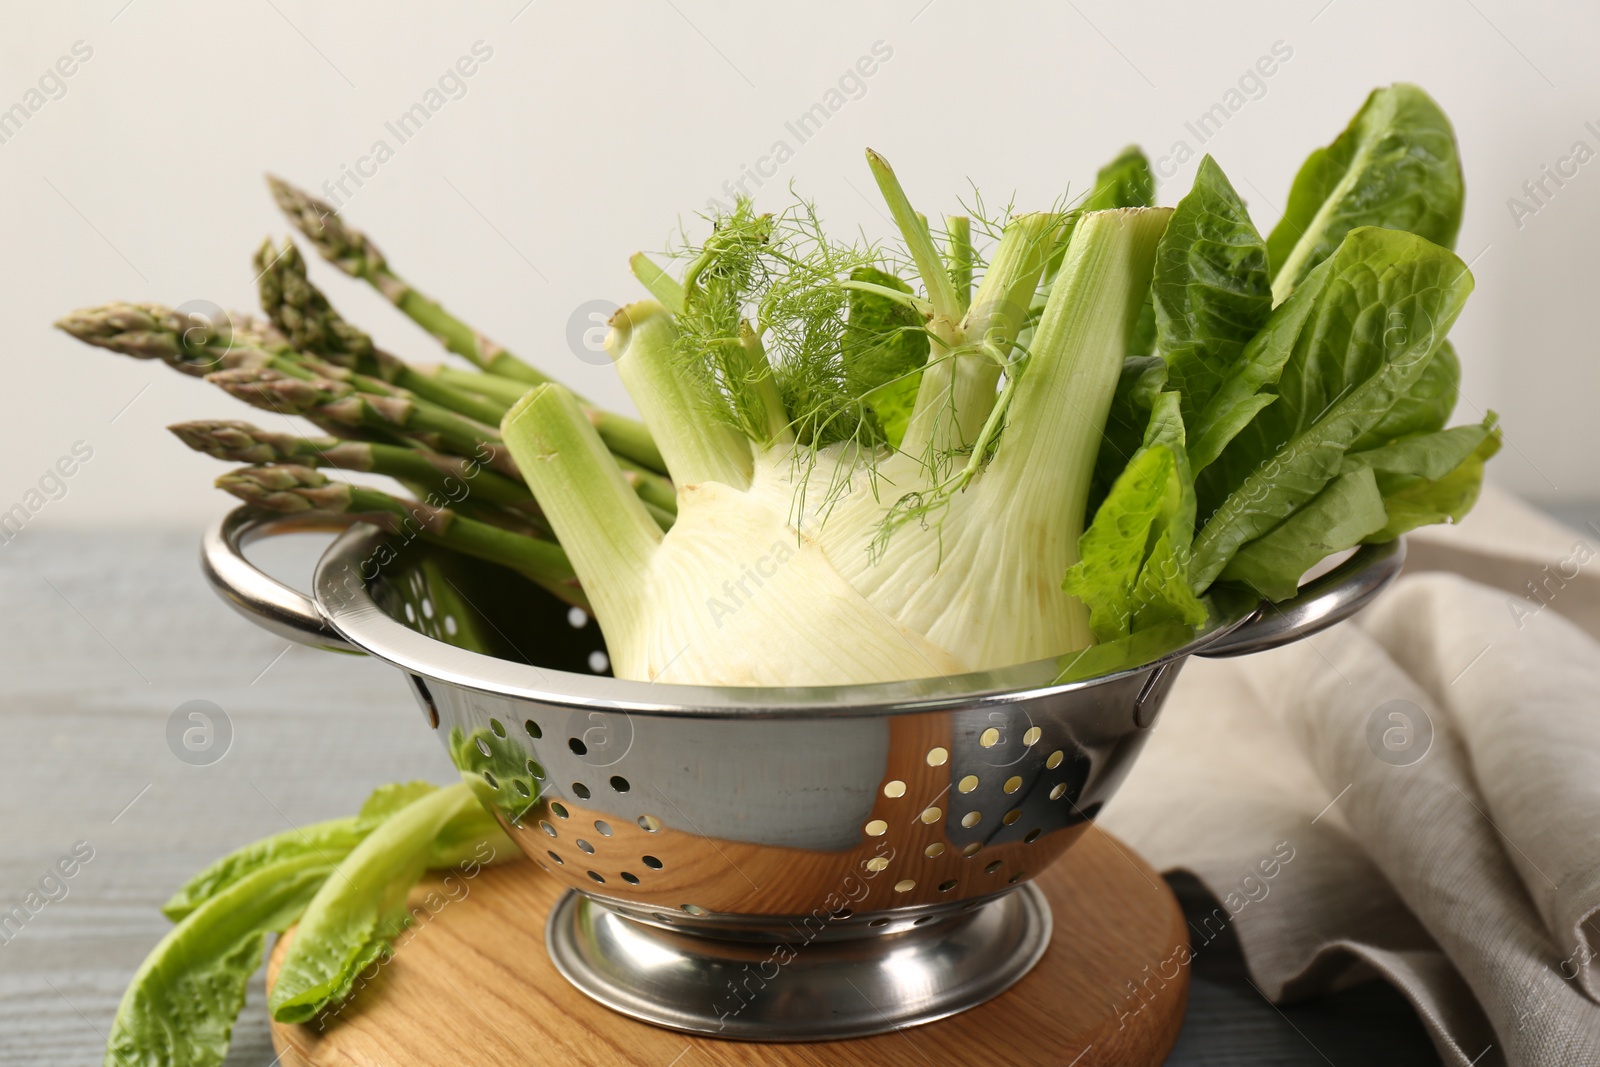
(302, 312)
(290, 487)
(354, 253)
(337, 402)
(272, 390)
(453, 476)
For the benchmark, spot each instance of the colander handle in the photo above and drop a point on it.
(1332, 598)
(255, 594)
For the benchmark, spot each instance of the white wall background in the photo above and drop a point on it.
(593, 126)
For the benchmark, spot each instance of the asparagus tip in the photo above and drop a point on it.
(272, 390)
(286, 487)
(319, 222)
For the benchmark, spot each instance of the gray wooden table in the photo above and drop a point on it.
(105, 635)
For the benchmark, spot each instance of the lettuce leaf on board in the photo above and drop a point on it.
(180, 1007)
(182, 1003)
(1386, 301)
(1395, 165)
(353, 918)
(330, 841)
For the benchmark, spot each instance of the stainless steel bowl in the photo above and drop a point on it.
(767, 864)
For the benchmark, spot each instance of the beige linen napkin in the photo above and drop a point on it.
(1415, 793)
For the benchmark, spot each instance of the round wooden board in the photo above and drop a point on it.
(473, 984)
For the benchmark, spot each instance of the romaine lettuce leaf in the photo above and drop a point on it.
(331, 841)
(1126, 181)
(1347, 511)
(1424, 455)
(1123, 653)
(354, 917)
(1142, 380)
(1426, 407)
(1385, 303)
(181, 1005)
(1413, 502)
(1211, 290)
(1132, 568)
(1395, 166)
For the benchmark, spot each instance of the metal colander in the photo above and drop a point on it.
(771, 864)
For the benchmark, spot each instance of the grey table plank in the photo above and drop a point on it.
(106, 634)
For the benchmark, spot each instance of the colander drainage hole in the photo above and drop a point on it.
(631, 879)
(557, 858)
(653, 863)
(619, 783)
(580, 790)
(650, 824)
(547, 828)
(606, 831)
(483, 746)
(498, 727)
(561, 811)
(494, 783)
(905, 885)
(586, 846)
(843, 913)
(1033, 835)
(577, 746)
(972, 849)
(925, 920)
(522, 787)
(536, 769)
(597, 877)
(533, 729)
(1015, 878)
(694, 909)
(878, 923)
(992, 868)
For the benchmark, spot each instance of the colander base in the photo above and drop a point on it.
(795, 989)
